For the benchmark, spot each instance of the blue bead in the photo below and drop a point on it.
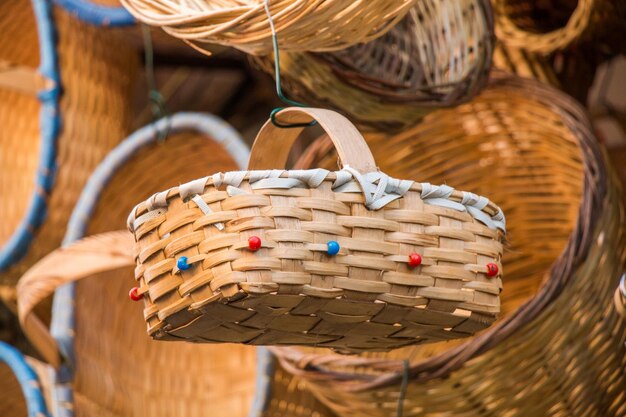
(333, 247)
(182, 264)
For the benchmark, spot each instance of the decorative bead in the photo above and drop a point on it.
(333, 247)
(134, 294)
(182, 264)
(415, 259)
(492, 269)
(254, 243)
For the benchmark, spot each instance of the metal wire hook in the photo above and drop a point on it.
(279, 90)
(157, 102)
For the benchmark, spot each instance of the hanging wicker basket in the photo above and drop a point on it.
(301, 25)
(90, 280)
(439, 55)
(531, 149)
(547, 27)
(350, 260)
(53, 134)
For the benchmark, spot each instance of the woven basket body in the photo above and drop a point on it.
(546, 27)
(292, 289)
(439, 55)
(558, 349)
(301, 25)
(49, 147)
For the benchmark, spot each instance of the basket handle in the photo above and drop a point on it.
(90, 256)
(272, 145)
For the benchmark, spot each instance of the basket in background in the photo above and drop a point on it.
(54, 134)
(558, 348)
(439, 55)
(301, 25)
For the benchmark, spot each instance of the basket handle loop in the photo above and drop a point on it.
(88, 257)
(272, 145)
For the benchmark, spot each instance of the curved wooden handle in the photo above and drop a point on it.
(90, 256)
(272, 144)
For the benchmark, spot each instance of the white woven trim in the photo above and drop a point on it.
(377, 187)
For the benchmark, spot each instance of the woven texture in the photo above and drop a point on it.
(301, 25)
(290, 290)
(90, 59)
(558, 349)
(546, 27)
(190, 379)
(439, 55)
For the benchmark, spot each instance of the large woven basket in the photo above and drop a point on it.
(350, 260)
(546, 27)
(53, 132)
(558, 349)
(439, 55)
(301, 25)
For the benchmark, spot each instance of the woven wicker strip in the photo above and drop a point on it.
(291, 289)
(49, 148)
(525, 64)
(301, 25)
(558, 349)
(532, 26)
(439, 55)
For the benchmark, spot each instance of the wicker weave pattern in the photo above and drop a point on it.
(558, 349)
(437, 56)
(302, 25)
(291, 291)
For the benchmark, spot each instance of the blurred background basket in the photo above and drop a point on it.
(438, 56)
(548, 26)
(53, 134)
(558, 348)
(301, 25)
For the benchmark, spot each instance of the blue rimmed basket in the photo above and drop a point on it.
(90, 337)
(54, 134)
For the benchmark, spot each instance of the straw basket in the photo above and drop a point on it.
(558, 349)
(439, 55)
(53, 133)
(97, 331)
(301, 25)
(546, 27)
(351, 259)
(525, 64)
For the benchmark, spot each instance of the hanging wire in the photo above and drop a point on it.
(403, 388)
(279, 90)
(155, 98)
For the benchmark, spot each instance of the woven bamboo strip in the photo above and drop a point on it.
(520, 142)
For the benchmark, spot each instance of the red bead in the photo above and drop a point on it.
(134, 294)
(254, 243)
(415, 259)
(492, 269)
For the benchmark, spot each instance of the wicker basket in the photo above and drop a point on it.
(439, 55)
(558, 349)
(302, 257)
(301, 25)
(546, 27)
(98, 12)
(52, 139)
(178, 386)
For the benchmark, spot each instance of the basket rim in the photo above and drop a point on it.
(594, 189)
(466, 201)
(16, 247)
